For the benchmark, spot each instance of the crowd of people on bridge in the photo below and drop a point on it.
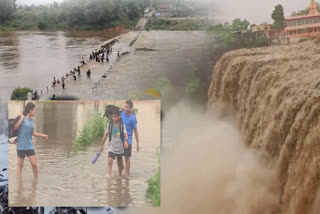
(98, 55)
(101, 54)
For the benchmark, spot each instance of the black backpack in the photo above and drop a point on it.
(108, 111)
(121, 130)
(11, 131)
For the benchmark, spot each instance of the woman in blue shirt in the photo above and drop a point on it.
(24, 144)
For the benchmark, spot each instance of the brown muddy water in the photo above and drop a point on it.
(174, 56)
(31, 59)
(67, 178)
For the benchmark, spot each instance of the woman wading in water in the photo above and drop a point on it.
(24, 144)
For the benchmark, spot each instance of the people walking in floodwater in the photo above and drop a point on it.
(130, 121)
(25, 127)
(88, 73)
(82, 62)
(118, 141)
(107, 58)
(54, 81)
(63, 84)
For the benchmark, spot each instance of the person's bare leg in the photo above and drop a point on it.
(127, 163)
(110, 160)
(19, 167)
(120, 165)
(33, 163)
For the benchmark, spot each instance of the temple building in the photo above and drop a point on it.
(306, 25)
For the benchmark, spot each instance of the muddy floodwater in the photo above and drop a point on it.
(67, 178)
(31, 59)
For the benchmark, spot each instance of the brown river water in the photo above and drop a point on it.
(67, 178)
(31, 59)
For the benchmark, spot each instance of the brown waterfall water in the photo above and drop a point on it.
(275, 94)
(258, 150)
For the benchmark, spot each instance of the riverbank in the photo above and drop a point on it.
(175, 24)
(117, 28)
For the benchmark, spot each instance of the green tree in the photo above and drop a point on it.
(278, 17)
(7, 7)
(238, 25)
(133, 10)
(20, 93)
(76, 14)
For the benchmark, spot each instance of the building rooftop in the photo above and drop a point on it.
(313, 12)
(303, 16)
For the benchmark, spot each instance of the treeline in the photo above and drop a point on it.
(72, 14)
(194, 24)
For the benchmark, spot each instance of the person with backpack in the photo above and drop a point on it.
(130, 121)
(25, 146)
(118, 141)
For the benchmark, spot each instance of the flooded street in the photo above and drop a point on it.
(64, 174)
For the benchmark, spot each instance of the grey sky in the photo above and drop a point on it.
(256, 11)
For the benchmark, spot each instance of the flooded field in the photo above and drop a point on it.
(65, 174)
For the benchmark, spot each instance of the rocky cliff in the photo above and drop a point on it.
(275, 94)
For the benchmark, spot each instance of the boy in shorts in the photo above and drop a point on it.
(118, 141)
(130, 121)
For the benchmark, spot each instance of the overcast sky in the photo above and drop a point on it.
(256, 11)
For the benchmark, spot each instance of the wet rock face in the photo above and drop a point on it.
(275, 94)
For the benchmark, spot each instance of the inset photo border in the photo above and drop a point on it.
(61, 153)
